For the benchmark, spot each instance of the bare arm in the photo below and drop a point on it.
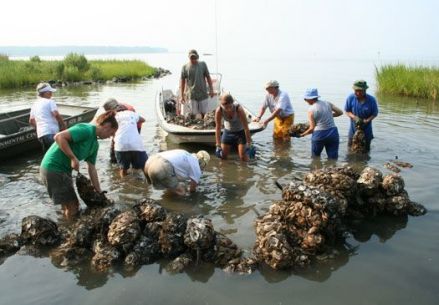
(182, 87)
(192, 186)
(218, 126)
(312, 124)
(335, 110)
(244, 122)
(272, 116)
(32, 122)
(94, 177)
(141, 119)
(351, 115)
(58, 117)
(62, 139)
(209, 82)
(261, 113)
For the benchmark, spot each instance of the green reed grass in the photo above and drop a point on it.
(24, 73)
(416, 81)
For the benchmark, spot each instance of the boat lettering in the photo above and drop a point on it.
(18, 139)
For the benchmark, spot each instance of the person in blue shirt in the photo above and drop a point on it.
(361, 108)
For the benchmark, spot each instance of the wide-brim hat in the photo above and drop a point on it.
(203, 158)
(311, 94)
(45, 87)
(360, 85)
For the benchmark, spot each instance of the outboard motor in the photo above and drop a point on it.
(170, 107)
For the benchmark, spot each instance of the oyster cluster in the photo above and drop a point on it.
(88, 193)
(208, 122)
(298, 128)
(311, 217)
(358, 145)
(139, 235)
(396, 165)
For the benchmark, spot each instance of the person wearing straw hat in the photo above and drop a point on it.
(173, 168)
(321, 125)
(279, 104)
(361, 108)
(193, 91)
(44, 116)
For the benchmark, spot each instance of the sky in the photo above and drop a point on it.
(340, 28)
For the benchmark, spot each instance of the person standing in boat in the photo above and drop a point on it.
(79, 142)
(44, 116)
(279, 104)
(173, 168)
(361, 108)
(321, 125)
(193, 91)
(128, 145)
(236, 131)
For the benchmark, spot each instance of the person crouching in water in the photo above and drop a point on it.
(173, 168)
(321, 125)
(128, 145)
(77, 143)
(236, 131)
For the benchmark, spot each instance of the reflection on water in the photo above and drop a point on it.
(233, 194)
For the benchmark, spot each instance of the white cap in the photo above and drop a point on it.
(45, 87)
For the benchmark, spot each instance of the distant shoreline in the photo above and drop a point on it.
(17, 51)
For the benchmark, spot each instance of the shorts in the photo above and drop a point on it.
(233, 137)
(199, 106)
(160, 173)
(134, 159)
(46, 141)
(59, 186)
(281, 129)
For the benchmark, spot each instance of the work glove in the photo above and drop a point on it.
(359, 121)
(219, 152)
(251, 151)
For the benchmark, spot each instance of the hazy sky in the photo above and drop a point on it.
(273, 27)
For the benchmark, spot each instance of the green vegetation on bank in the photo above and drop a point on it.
(408, 81)
(73, 68)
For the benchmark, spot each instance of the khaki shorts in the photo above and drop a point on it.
(160, 173)
(59, 186)
(199, 106)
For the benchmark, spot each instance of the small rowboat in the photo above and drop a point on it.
(17, 136)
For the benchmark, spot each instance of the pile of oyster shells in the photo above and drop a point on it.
(208, 122)
(140, 235)
(311, 217)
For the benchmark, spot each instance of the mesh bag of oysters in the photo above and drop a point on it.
(88, 193)
(298, 128)
(310, 218)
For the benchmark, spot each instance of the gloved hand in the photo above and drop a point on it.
(250, 150)
(219, 152)
(358, 121)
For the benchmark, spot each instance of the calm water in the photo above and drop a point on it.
(395, 260)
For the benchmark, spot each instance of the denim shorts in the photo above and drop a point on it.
(135, 159)
(233, 137)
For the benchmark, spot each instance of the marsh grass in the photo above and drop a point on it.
(416, 81)
(74, 67)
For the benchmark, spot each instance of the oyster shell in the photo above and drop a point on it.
(124, 230)
(393, 184)
(39, 231)
(149, 210)
(199, 233)
(179, 263)
(242, 265)
(369, 181)
(104, 256)
(171, 235)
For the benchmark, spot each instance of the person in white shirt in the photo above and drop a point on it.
(279, 104)
(171, 169)
(44, 116)
(128, 145)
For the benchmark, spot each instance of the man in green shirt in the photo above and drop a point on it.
(72, 146)
(193, 90)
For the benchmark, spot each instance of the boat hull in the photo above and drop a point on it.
(17, 143)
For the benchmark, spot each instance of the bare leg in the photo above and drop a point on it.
(226, 150)
(123, 172)
(241, 151)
